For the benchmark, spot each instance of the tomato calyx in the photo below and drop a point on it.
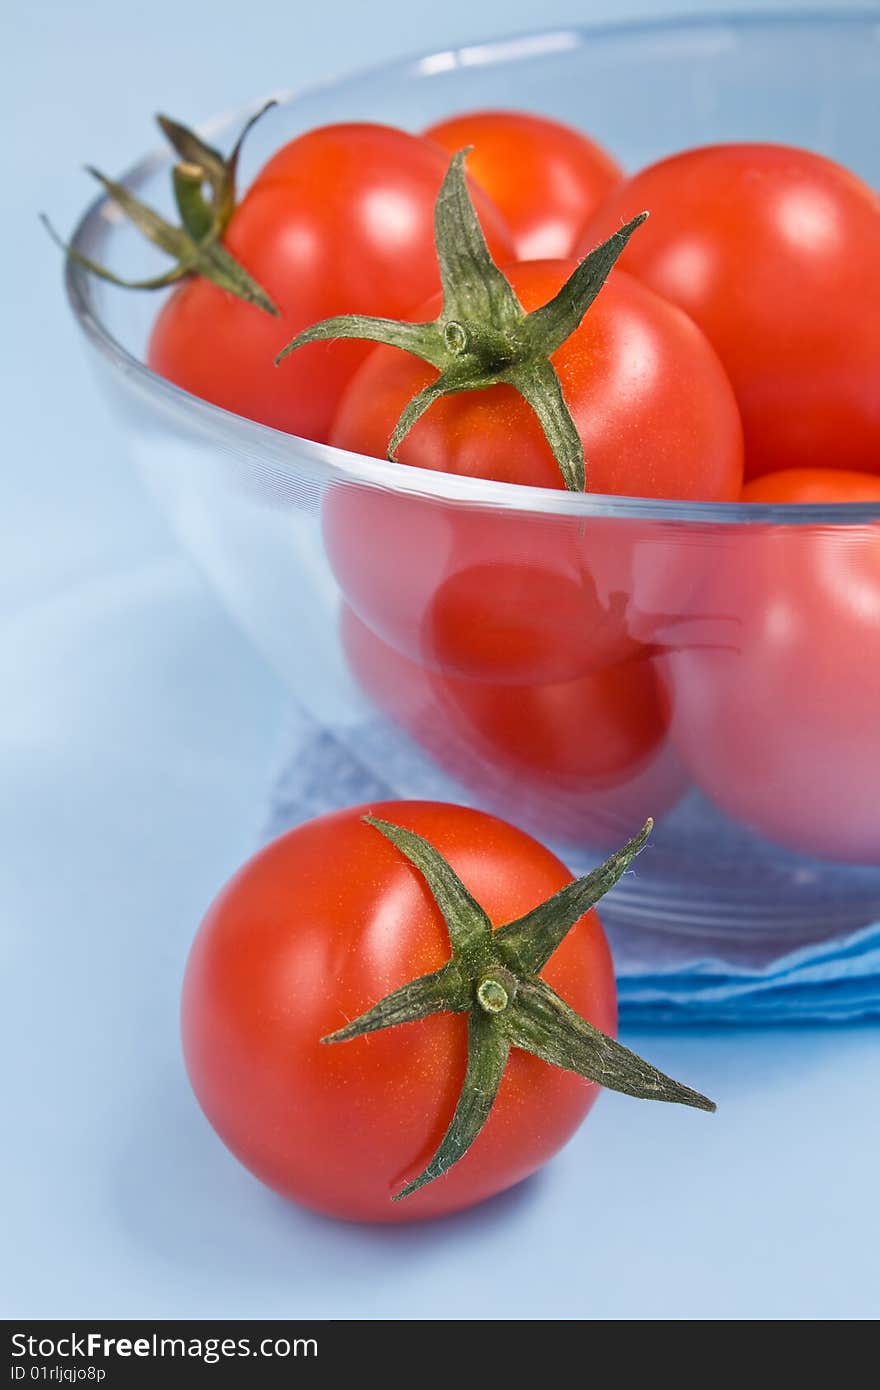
(483, 337)
(203, 181)
(494, 977)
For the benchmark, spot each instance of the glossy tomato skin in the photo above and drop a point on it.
(813, 487)
(583, 761)
(544, 177)
(340, 220)
(775, 708)
(623, 372)
(775, 253)
(317, 927)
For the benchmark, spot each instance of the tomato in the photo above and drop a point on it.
(622, 374)
(775, 253)
(813, 486)
(509, 597)
(775, 711)
(581, 761)
(316, 928)
(338, 220)
(513, 598)
(545, 177)
(517, 596)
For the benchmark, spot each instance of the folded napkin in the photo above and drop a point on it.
(664, 976)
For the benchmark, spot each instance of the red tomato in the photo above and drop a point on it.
(340, 220)
(521, 597)
(511, 598)
(814, 486)
(776, 713)
(775, 253)
(545, 177)
(623, 373)
(317, 927)
(582, 761)
(503, 597)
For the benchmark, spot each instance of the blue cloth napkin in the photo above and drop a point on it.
(663, 977)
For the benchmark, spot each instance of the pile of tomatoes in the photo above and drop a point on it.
(592, 668)
(577, 668)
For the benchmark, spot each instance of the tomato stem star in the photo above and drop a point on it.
(494, 977)
(483, 337)
(203, 182)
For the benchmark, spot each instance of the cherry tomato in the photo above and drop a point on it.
(775, 253)
(623, 373)
(545, 177)
(813, 486)
(340, 220)
(511, 598)
(317, 927)
(505, 597)
(775, 710)
(581, 761)
(521, 597)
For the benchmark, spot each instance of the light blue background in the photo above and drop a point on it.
(137, 737)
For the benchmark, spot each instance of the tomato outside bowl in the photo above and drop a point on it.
(574, 662)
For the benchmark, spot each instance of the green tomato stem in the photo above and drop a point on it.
(483, 337)
(196, 245)
(493, 977)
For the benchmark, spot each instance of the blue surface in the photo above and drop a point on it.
(137, 741)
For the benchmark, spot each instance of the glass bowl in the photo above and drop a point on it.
(576, 663)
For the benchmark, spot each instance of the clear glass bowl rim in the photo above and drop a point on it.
(287, 452)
